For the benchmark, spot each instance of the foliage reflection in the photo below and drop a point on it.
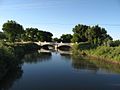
(37, 57)
(88, 63)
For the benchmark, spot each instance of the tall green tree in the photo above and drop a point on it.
(56, 40)
(40, 36)
(2, 35)
(66, 38)
(97, 35)
(44, 36)
(75, 38)
(48, 36)
(33, 34)
(13, 30)
(93, 35)
(79, 33)
(115, 43)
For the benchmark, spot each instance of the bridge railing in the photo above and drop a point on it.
(53, 43)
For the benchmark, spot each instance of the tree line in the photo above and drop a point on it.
(13, 31)
(84, 33)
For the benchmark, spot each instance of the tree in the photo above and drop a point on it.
(56, 40)
(97, 35)
(12, 30)
(33, 34)
(44, 36)
(75, 38)
(48, 36)
(40, 36)
(2, 35)
(94, 35)
(79, 31)
(115, 43)
(66, 38)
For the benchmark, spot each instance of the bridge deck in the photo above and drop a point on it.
(54, 44)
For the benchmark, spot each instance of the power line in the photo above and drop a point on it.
(116, 25)
(110, 24)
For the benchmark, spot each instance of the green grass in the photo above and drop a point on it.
(112, 53)
(106, 52)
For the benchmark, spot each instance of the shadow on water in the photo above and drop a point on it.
(45, 54)
(66, 57)
(37, 57)
(76, 61)
(79, 63)
(10, 70)
(107, 67)
(9, 79)
(86, 63)
(64, 50)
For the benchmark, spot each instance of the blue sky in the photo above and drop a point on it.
(60, 16)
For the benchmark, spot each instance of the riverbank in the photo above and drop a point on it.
(106, 53)
(11, 55)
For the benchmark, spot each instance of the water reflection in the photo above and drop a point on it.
(9, 79)
(98, 66)
(105, 66)
(45, 55)
(10, 70)
(65, 56)
(57, 73)
(61, 51)
(79, 62)
(37, 57)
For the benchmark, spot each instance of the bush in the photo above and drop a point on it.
(86, 46)
(115, 43)
(11, 55)
(105, 52)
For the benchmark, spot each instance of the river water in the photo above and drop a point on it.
(55, 71)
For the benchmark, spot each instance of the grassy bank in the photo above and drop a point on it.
(111, 54)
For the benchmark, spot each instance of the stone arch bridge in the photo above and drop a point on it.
(54, 44)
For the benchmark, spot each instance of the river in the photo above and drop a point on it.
(55, 71)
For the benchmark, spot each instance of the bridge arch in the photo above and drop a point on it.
(48, 46)
(54, 45)
(64, 46)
